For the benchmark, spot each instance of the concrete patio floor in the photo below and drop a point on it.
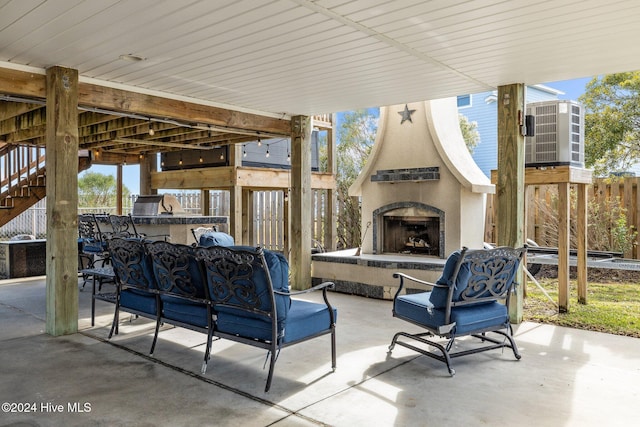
(566, 377)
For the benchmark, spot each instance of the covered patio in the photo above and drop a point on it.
(228, 71)
(566, 377)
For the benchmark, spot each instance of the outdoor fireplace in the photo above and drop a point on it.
(421, 191)
(422, 197)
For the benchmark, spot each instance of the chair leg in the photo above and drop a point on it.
(114, 324)
(418, 337)
(272, 364)
(207, 351)
(333, 348)
(512, 342)
(155, 335)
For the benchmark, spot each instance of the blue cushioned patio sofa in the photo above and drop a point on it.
(238, 293)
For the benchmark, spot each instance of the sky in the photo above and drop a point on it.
(572, 88)
(130, 174)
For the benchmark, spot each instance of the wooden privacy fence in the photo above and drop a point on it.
(269, 218)
(613, 215)
(267, 227)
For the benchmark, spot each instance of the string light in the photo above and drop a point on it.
(222, 156)
(267, 153)
(151, 131)
(244, 150)
(288, 157)
(180, 161)
(201, 159)
(141, 156)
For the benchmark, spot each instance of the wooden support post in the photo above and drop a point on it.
(563, 246)
(286, 241)
(300, 203)
(62, 201)
(119, 189)
(235, 214)
(148, 164)
(331, 228)
(247, 217)
(582, 242)
(510, 180)
(205, 202)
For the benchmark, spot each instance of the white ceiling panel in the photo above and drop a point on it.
(308, 57)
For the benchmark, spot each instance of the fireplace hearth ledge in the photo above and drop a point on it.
(371, 275)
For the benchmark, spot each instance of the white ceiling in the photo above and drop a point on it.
(321, 56)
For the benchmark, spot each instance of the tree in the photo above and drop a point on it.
(469, 132)
(612, 122)
(98, 190)
(356, 136)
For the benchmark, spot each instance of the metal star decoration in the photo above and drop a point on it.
(406, 114)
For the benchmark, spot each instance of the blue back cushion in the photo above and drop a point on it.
(216, 238)
(439, 296)
(176, 269)
(278, 270)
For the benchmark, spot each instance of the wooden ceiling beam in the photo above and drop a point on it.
(159, 144)
(25, 136)
(9, 109)
(24, 121)
(225, 177)
(87, 118)
(22, 83)
(91, 95)
(27, 84)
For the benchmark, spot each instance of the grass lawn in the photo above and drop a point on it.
(611, 307)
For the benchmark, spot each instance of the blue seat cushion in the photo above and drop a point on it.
(235, 322)
(469, 319)
(304, 319)
(216, 238)
(476, 317)
(93, 246)
(134, 299)
(439, 296)
(181, 310)
(251, 322)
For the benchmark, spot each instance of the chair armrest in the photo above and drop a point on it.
(402, 278)
(151, 236)
(321, 286)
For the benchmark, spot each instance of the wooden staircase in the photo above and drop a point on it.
(23, 178)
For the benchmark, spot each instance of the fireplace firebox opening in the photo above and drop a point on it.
(411, 235)
(409, 228)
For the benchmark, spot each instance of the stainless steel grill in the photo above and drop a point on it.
(157, 204)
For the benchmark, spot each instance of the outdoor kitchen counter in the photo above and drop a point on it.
(178, 227)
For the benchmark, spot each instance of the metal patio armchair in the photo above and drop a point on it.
(471, 298)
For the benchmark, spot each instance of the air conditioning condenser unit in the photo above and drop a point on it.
(559, 134)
